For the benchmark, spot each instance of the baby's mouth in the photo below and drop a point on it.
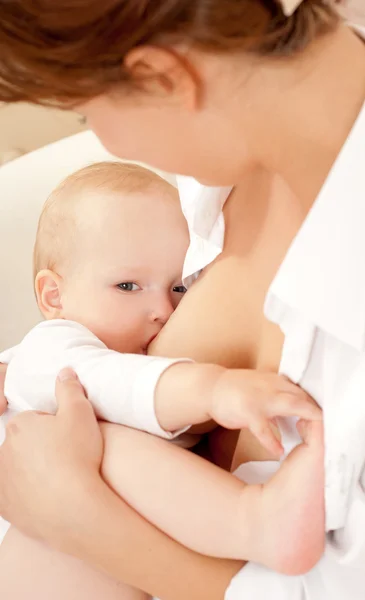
(151, 339)
(145, 348)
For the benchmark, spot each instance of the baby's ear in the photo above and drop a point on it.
(48, 287)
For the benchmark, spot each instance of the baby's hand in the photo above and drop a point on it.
(251, 399)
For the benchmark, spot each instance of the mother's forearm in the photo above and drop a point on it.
(115, 539)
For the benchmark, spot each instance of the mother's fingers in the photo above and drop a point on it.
(49, 462)
(21, 421)
(71, 397)
(75, 412)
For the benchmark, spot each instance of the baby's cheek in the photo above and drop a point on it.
(125, 337)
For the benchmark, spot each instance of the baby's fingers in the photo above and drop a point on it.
(265, 435)
(295, 405)
(311, 432)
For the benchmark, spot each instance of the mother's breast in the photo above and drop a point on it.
(220, 320)
(248, 449)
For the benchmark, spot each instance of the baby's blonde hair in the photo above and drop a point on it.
(57, 226)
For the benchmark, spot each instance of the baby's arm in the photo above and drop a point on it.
(159, 395)
(279, 524)
(233, 398)
(119, 386)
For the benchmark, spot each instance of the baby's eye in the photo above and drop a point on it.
(128, 286)
(179, 289)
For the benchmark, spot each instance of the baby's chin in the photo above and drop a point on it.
(143, 348)
(127, 349)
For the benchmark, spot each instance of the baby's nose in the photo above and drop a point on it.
(162, 310)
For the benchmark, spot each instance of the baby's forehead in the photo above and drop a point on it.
(117, 207)
(130, 231)
(96, 207)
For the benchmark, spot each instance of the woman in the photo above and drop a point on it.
(247, 93)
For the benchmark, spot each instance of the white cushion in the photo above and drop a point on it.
(24, 187)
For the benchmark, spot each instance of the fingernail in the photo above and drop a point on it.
(66, 375)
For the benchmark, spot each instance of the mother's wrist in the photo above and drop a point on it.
(85, 504)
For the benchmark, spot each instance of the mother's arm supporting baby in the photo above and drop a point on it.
(93, 523)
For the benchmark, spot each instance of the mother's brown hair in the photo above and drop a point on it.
(62, 51)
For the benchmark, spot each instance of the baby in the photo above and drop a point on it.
(108, 260)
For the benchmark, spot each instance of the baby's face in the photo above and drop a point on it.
(126, 280)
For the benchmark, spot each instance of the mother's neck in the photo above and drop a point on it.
(312, 108)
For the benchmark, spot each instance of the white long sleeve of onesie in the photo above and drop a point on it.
(121, 387)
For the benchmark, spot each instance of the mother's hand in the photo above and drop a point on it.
(3, 401)
(49, 465)
(50, 488)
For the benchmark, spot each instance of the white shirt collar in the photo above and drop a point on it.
(202, 207)
(323, 273)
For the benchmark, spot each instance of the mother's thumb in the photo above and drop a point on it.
(67, 374)
(69, 392)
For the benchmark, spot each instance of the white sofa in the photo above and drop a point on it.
(24, 186)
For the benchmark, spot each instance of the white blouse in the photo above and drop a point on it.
(318, 300)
